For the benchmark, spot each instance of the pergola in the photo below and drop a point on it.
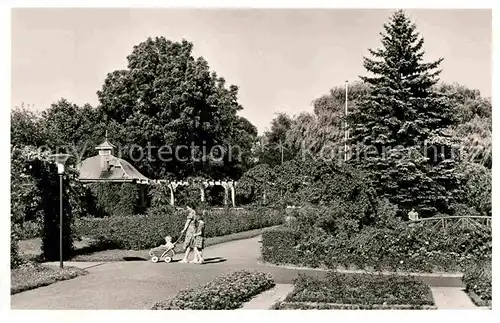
(105, 167)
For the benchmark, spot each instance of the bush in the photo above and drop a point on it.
(28, 229)
(477, 187)
(311, 181)
(361, 290)
(477, 280)
(223, 293)
(146, 231)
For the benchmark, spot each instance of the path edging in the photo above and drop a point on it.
(361, 271)
(268, 298)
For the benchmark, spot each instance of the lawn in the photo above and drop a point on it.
(33, 275)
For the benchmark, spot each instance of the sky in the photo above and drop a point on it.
(280, 59)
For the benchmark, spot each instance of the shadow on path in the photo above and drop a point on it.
(214, 260)
(134, 259)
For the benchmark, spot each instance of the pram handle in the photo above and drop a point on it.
(178, 239)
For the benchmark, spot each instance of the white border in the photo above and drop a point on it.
(381, 4)
(246, 316)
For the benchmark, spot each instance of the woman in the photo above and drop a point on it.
(199, 239)
(189, 229)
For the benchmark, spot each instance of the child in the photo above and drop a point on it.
(199, 240)
(168, 243)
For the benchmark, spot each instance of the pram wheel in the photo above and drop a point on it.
(154, 259)
(167, 259)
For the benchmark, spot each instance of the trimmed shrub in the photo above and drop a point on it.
(146, 231)
(361, 289)
(332, 306)
(223, 293)
(477, 280)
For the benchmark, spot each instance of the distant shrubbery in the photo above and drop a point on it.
(116, 199)
(28, 229)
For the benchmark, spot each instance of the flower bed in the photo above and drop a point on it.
(146, 231)
(477, 280)
(32, 275)
(223, 293)
(341, 291)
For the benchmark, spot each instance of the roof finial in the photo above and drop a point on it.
(106, 135)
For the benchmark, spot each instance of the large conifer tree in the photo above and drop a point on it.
(396, 133)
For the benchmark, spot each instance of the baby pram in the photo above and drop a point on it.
(163, 253)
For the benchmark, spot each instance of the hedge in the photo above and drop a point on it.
(361, 290)
(477, 280)
(405, 248)
(140, 232)
(223, 293)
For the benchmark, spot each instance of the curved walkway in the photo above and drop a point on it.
(138, 284)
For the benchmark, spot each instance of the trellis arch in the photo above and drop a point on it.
(228, 185)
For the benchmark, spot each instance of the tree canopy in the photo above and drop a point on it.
(396, 132)
(167, 98)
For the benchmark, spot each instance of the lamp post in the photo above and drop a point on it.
(60, 160)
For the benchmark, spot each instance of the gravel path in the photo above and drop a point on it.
(138, 284)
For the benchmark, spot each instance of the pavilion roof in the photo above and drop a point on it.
(108, 168)
(114, 170)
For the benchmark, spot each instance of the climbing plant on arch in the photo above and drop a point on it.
(35, 197)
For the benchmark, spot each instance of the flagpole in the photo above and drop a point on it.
(346, 130)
